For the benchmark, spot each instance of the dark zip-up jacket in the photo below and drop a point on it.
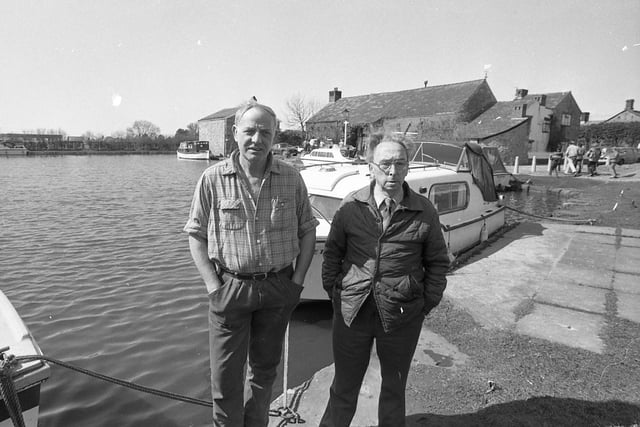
(404, 266)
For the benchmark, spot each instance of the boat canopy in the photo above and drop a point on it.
(465, 156)
(493, 155)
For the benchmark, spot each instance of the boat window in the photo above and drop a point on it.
(324, 207)
(450, 196)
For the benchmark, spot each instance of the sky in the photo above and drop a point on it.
(98, 66)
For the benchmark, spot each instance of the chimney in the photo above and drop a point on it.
(425, 83)
(335, 95)
(521, 93)
(542, 99)
(629, 106)
(521, 110)
(584, 117)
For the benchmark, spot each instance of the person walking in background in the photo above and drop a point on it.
(579, 159)
(556, 161)
(250, 218)
(593, 155)
(384, 268)
(612, 158)
(571, 155)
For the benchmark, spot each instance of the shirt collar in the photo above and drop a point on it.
(231, 165)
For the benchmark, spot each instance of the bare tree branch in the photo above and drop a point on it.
(299, 110)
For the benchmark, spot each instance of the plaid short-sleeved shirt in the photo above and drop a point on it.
(245, 236)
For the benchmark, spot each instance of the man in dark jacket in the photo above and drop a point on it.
(385, 264)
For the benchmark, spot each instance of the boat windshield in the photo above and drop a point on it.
(324, 207)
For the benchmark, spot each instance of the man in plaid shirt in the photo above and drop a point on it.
(251, 236)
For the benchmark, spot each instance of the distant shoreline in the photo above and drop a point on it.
(91, 153)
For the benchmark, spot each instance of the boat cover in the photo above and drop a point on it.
(464, 155)
(481, 171)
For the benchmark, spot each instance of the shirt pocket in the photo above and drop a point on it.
(232, 215)
(283, 214)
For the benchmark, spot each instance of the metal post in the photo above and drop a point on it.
(346, 123)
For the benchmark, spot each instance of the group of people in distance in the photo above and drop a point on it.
(574, 157)
(252, 236)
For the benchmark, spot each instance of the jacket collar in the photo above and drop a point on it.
(409, 201)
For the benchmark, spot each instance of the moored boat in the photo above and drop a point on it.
(9, 149)
(456, 177)
(16, 340)
(324, 156)
(194, 150)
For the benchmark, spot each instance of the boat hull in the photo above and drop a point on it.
(28, 376)
(11, 152)
(203, 155)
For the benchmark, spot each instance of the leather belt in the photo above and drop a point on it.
(252, 276)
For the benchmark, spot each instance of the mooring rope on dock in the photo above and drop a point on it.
(117, 381)
(288, 415)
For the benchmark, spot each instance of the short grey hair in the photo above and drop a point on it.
(253, 103)
(377, 138)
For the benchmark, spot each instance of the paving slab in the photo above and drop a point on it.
(629, 307)
(628, 283)
(579, 276)
(583, 298)
(632, 242)
(435, 350)
(628, 260)
(564, 326)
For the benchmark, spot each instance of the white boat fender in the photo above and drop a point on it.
(484, 234)
(7, 388)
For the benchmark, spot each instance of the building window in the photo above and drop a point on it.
(566, 120)
(449, 197)
(546, 125)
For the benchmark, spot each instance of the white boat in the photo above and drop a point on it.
(9, 149)
(194, 150)
(456, 177)
(324, 156)
(15, 339)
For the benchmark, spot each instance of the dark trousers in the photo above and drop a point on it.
(247, 318)
(351, 352)
(592, 167)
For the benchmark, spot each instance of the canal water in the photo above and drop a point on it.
(95, 261)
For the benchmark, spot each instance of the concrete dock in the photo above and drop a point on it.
(545, 280)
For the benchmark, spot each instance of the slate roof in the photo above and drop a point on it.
(421, 102)
(553, 99)
(222, 114)
(500, 118)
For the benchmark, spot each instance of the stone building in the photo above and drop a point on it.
(627, 115)
(217, 130)
(564, 123)
(430, 112)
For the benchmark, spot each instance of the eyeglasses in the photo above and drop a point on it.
(385, 166)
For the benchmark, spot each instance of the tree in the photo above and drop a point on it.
(291, 137)
(188, 134)
(141, 128)
(194, 130)
(299, 110)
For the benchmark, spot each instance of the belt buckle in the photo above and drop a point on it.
(260, 276)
